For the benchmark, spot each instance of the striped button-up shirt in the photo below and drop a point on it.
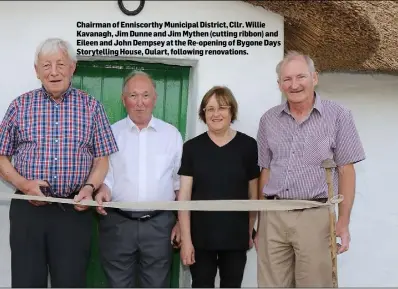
(53, 141)
(294, 151)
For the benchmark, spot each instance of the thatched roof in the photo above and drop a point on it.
(359, 36)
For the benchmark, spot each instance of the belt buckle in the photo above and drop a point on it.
(145, 217)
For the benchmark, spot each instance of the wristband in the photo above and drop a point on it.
(91, 185)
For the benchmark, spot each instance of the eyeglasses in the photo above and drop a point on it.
(221, 109)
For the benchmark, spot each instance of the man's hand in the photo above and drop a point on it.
(176, 236)
(102, 196)
(32, 188)
(343, 233)
(86, 193)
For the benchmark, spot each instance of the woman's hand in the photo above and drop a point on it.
(187, 253)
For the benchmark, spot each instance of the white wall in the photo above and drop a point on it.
(372, 258)
(251, 78)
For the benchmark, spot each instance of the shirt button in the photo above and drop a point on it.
(56, 122)
(56, 140)
(55, 177)
(55, 159)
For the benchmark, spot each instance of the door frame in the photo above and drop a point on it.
(194, 96)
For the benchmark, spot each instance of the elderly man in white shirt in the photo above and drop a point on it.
(136, 246)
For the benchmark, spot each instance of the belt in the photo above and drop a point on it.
(321, 200)
(138, 216)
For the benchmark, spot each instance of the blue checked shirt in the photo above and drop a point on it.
(56, 142)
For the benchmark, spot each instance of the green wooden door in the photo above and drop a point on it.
(104, 80)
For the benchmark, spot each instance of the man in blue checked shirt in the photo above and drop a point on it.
(59, 138)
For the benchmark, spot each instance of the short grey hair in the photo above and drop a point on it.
(53, 45)
(294, 54)
(137, 73)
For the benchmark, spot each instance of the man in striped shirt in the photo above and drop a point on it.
(59, 138)
(293, 140)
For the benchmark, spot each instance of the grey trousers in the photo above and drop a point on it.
(136, 253)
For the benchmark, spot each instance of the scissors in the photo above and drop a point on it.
(49, 192)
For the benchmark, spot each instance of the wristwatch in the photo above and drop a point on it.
(91, 185)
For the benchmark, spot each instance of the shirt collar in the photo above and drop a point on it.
(317, 105)
(152, 123)
(66, 93)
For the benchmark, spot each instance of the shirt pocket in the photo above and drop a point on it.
(163, 165)
(316, 149)
(29, 133)
(77, 130)
(280, 148)
(82, 134)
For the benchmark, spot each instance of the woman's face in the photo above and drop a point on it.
(218, 117)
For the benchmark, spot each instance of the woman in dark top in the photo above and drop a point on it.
(220, 164)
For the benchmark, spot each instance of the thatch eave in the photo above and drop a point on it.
(349, 36)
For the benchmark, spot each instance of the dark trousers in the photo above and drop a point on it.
(231, 265)
(47, 239)
(136, 253)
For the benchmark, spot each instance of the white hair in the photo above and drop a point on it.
(294, 54)
(137, 73)
(53, 45)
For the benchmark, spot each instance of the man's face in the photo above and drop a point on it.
(55, 72)
(296, 82)
(139, 99)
